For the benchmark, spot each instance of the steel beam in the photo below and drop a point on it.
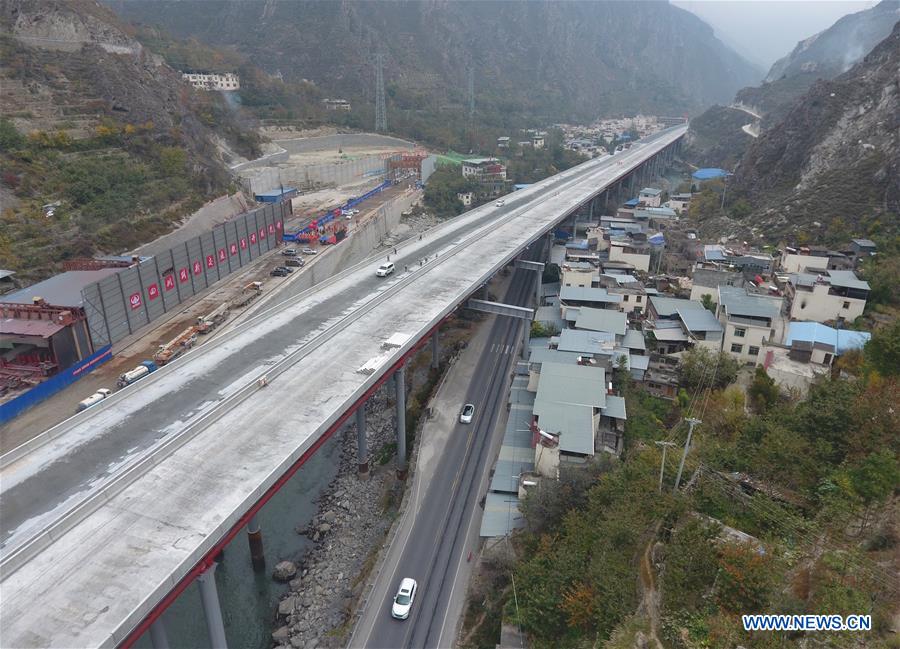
(530, 265)
(209, 597)
(499, 308)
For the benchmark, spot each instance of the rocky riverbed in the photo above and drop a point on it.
(348, 530)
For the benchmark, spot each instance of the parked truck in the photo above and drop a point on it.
(94, 399)
(250, 292)
(177, 346)
(213, 319)
(139, 372)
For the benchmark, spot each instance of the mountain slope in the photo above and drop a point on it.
(716, 139)
(550, 61)
(834, 158)
(92, 120)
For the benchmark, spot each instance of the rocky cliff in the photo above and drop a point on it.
(716, 139)
(834, 159)
(544, 60)
(95, 122)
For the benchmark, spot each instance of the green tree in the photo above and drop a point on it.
(172, 160)
(883, 349)
(701, 368)
(707, 301)
(763, 391)
(10, 138)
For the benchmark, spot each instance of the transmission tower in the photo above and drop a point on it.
(380, 110)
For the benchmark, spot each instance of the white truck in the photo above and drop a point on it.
(136, 374)
(94, 399)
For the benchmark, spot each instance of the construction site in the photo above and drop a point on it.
(106, 323)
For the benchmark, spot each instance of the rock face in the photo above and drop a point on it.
(836, 154)
(284, 571)
(350, 524)
(562, 59)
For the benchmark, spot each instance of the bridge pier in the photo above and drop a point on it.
(435, 350)
(362, 449)
(400, 386)
(209, 597)
(158, 637)
(254, 536)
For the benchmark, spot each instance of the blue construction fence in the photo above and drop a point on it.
(327, 217)
(12, 409)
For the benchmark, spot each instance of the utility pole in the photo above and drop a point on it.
(687, 445)
(380, 107)
(662, 465)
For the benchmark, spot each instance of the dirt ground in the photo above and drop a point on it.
(129, 352)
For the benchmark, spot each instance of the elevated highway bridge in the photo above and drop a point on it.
(108, 516)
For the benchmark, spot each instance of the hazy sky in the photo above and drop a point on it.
(763, 31)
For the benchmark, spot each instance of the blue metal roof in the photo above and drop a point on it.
(840, 339)
(709, 173)
(632, 203)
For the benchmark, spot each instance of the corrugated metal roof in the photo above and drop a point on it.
(584, 294)
(60, 290)
(670, 335)
(601, 320)
(6, 273)
(839, 339)
(586, 342)
(847, 279)
(650, 191)
(549, 315)
(615, 407)
(699, 319)
(864, 243)
(637, 362)
(737, 301)
(501, 515)
(573, 424)
(550, 289)
(20, 327)
(634, 339)
(570, 385)
(547, 355)
(713, 252)
(667, 307)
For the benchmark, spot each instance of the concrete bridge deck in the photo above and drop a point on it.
(120, 504)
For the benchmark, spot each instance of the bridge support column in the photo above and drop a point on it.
(526, 337)
(254, 537)
(209, 596)
(400, 385)
(435, 350)
(362, 448)
(158, 637)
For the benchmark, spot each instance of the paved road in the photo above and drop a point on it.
(91, 582)
(39, 487)
(442, 515)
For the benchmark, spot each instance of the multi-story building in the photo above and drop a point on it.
(213, 80)
(631, 252)
(337, 104)
(483, 169)
(650, 196)
(833, 295)
(749, 320)
(678, 324)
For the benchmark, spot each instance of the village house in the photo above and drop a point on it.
(749, 321)
(833, 295)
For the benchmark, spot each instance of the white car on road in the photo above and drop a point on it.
(384, 270)
(500, 203)
(404, 598)
(309, 251)
(468, 411)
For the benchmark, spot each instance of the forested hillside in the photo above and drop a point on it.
(786, 506)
